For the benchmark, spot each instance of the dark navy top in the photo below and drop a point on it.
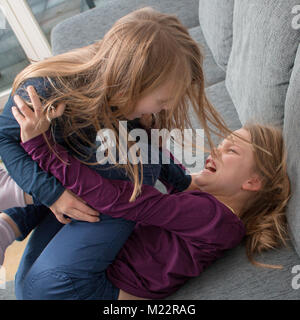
(45, 187)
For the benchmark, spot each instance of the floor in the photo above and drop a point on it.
(12, 258)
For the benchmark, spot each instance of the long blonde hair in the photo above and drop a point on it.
(264, 217)
(139, 53)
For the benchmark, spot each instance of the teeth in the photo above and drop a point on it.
(210, 166)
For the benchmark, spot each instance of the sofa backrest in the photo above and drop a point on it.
(292, 139)
(262, 57)
(90, 26)
(216, 19)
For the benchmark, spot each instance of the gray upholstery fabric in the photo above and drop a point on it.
(233, 277)
(216, 19)
(222, 102)
(90, 26)
(262, 56)
(292, 140)
(213, 73)
(220, 99)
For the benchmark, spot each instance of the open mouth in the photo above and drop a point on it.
(210, 166)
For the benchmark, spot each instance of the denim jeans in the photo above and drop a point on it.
(68, 262)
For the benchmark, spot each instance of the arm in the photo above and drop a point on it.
(11, 195)
(28, 175)
(192, 214)
(174, 175)
(20, 166)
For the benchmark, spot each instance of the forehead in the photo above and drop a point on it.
(244, 134)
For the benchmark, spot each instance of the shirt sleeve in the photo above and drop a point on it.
(192, 214)
(173, 175)
(11, 195)
(23, 170)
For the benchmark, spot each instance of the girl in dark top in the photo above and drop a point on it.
(146, 64)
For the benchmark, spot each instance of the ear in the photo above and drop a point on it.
(252, 184)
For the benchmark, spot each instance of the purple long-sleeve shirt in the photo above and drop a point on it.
(176, 235)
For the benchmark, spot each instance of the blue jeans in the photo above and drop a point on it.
(69, 262)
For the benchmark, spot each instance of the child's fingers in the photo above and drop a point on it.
(36, 102)
(18, 116)
(26, 111)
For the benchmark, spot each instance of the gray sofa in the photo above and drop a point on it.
(252, 69)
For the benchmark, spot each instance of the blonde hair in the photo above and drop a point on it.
(142, 51)
(264, 217)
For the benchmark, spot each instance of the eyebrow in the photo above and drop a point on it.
(162, 100)
(233, 142)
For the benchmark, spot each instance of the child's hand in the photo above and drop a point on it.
(33, 123)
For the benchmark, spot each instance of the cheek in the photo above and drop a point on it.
(234, 169)
(147, 105)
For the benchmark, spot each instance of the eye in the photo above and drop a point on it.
(232, 150)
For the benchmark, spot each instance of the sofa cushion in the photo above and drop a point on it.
(215, 18)
(90, 26)
(222, 102)
(292, 140)
(212, 72)
(220, 99)
(233, 277)
(262, 56)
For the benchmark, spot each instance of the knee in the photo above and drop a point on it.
(49, 284)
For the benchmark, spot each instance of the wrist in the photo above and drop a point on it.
(25, 137)
(28, 198)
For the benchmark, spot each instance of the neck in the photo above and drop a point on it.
(233, 203)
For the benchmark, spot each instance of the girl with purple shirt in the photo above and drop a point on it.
(146, 64)
(176, 235)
